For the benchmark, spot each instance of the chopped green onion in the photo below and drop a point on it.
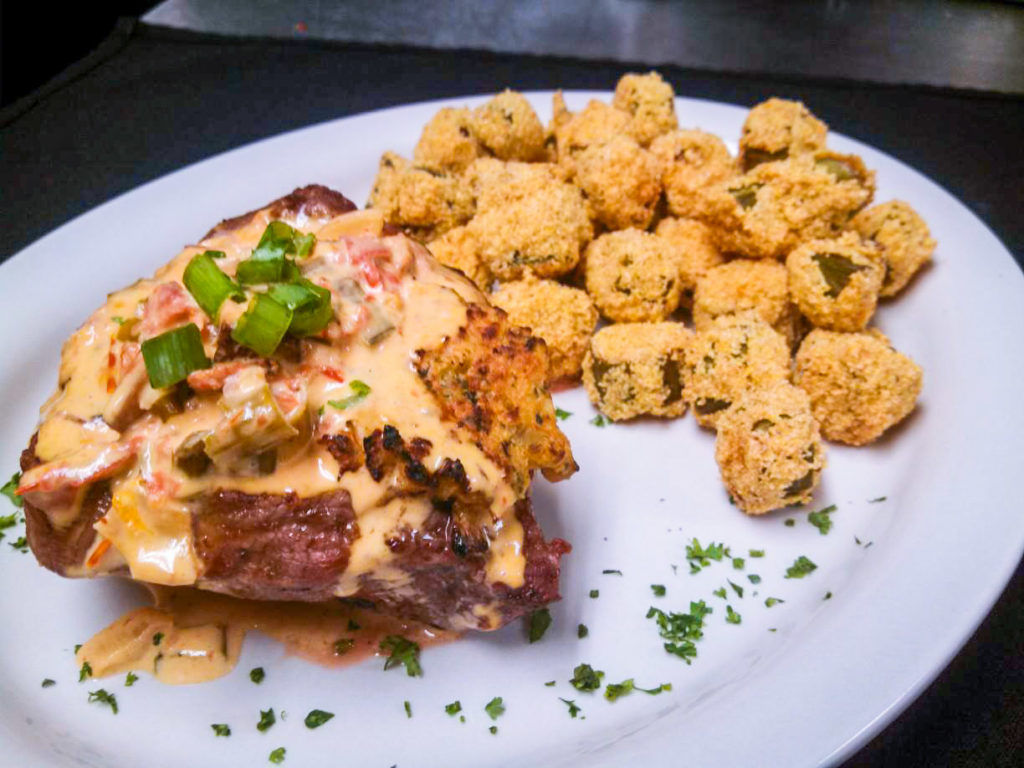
(310, 305)
(253, 271)
(263, 325)
(208, 285)
(360, 389)
(173, 355)
(279, 238)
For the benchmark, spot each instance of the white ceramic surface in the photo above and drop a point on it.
(832, 674)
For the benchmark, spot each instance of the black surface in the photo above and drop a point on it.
(155, 101)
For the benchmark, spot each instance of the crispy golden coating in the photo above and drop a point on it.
(767, 212)
(835, 283)
(692, 163)
(731, 355)
(650, 101)
(635, 369)
(778, 129)
(493, 183)
(632, 276)
(858, 384)
(903, 236)
(447, 143)
(621, 181)
(542, 232)
(458, 249)
(769, 449)
(693, 246)
(509, 128)
(595, 124)
(564, 317)
(425, 204)
(743, 285)
(489, 379)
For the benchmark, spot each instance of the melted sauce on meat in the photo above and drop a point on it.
(192, 636)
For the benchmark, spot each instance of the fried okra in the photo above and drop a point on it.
(458, 249)
(621, 181)
(769, 449)
(636, 369)
(650, 101)
(564, 317)
(425, 204)
(767, 212)
(694, 249)
(744, 285)
(493, 183)
(835, 283)
(858, 384)
(632, 276)
(733, 354)
(778, 129)
(903, 236)
(542, 232)
(692, 162)
(595, 124)
(447, 143)
(508, 128)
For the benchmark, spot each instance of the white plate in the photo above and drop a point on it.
(944, 542)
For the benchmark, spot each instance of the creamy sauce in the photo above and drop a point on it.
(192, 636)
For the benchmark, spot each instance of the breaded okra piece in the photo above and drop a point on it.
(858, 384)
(425, 204)
(447, 143)
(595, 124)
(903, 236)
(508, 127)
(693, 162)
(458, 249)
(835, 283)
(632, 276)
(636, 369)
(769, 449)
(693, 246)
(493, 183)
(621, 181)
(564, 317)
(733, 354)
(778, 129)
(650, 101)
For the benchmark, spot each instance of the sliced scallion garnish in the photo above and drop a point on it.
(259, 270)
(208, 285)
(173, 355)
(263, 325)
(310, 305)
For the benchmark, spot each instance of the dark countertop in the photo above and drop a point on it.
(151, 101)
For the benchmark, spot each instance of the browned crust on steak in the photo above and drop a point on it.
(57, 549)
(314, 200)
(273, 547)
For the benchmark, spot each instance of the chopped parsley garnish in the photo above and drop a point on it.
(20, 544)
(562, 415)
(720, 592)
(615, 691)
(402, 652)
(540, 620)
(130, 679)
(700, 557)
(599, 420)
(571, 704)
(495, 708)
(408, 709)
(78, 647)
(277, 756)
(454, 708)
(756, 553)
(681, 629)
(800, 568)
(6, 521)
(586, 678)
(360, 389)
(828, 596)
(875, 501)
(594, 593)
(736, 588)
(353, 625)
(753, 578)
(821, 519)
(493, 729)
(582, 631)
(731, 616)
(256, 674)
(738, 563)
(85, 671)
(48, 683)
(550, 683)
(317, 717)
(221, 729)
(101, 696)
(158, 638)
(8, 489)
(790, 522)
(343, 646)
(267, 719)
(658, 590)
(770, 601)
(611, 572)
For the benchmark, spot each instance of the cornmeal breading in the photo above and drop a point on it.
(508, 128)
(595, 124)
(425, 204)
(632, 276)
(621, 181)
(778, 129)
(650, 101)
(458, 249)
(903, 236)
(693, 162)
(693, 246)
(493, 183)
(447, 143)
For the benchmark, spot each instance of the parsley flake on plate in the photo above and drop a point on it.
(130, 679)
(562, 415)
(267, 719)
(586, 678)
(402, 652)
(454, 708)
(821, 519)
(8, 489)
(571, 704)
(658, 590)
(614, 691)
(495, 708)
(800, 568)
(277, 756)
(599, 420)
(539, 622)
(317, 717)
(101, 696)
(770, 601)
(85, 671)
(48, 683)
(408, 709)
(582, 631)
(700, 557)
(257, 674)
(731, 616)
(221, 729)
(681, 630)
